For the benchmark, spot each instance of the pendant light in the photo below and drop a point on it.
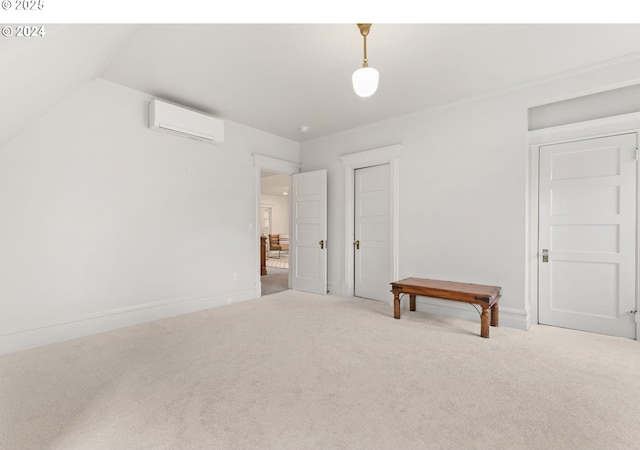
(365, 79)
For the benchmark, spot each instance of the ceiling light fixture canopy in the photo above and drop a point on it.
(365, 79)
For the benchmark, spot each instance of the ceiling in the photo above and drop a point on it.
(274, 184)
(280, 77)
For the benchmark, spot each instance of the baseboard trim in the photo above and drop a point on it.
(16, 341)
(509, 317)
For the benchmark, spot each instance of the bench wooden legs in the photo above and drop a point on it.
(484, 323)
(396, 304)
(484, 319)
(494, 315)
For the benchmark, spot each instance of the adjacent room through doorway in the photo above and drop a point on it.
(274, 231)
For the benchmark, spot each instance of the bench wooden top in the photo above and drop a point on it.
(465, 292)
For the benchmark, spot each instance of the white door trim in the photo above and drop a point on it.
(260, 163)
(626, 123)
(386, 155)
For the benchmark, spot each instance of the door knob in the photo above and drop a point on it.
(545, 255)
(357, 244)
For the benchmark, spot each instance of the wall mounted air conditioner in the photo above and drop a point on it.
(174, 119)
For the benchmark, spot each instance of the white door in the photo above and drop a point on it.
(372, 244)
(588, 230)
(308, 247)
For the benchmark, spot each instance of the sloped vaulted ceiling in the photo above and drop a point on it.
(38, 73)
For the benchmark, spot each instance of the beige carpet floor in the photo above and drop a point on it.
(281, 263)
(276, 280)
(298, 371)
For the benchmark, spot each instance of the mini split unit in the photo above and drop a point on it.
(174, 119)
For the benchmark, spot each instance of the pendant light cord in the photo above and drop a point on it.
(365, 63)
(364, 31)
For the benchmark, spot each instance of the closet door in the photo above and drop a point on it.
(587, 235)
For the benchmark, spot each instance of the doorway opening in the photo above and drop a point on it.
(274, 231)
(268, 166)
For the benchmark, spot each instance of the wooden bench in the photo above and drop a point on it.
(485, 296)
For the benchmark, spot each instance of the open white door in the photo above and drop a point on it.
(308, 249)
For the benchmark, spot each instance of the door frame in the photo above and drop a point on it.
(385, 155)
(261, 163)
(610, 126)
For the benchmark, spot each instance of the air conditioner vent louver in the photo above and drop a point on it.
(174, 119)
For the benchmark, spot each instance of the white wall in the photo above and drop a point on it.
(463, 188)
(614, 102)
(107, 223)
(279, 212)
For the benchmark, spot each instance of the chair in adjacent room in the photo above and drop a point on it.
(279, 243)
(274, 244)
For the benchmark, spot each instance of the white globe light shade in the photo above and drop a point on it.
(365, 81)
